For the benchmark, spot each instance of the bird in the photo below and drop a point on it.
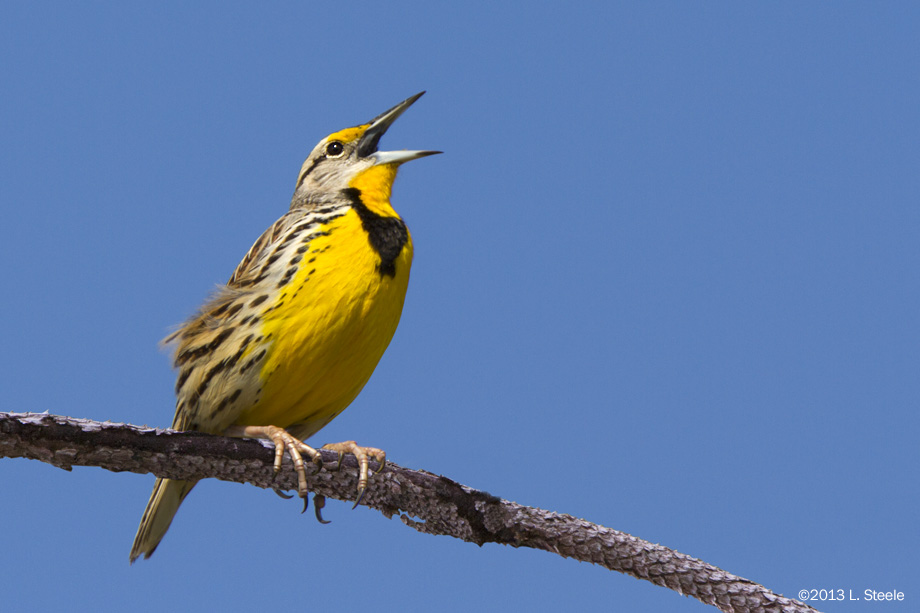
(299, 328)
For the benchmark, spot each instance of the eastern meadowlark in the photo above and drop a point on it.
(296, 333)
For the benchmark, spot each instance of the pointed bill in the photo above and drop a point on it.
(378, 127)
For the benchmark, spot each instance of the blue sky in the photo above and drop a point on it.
(665, 280)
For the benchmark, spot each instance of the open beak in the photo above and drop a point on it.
(378, 127)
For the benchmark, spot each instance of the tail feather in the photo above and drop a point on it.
(167, 495)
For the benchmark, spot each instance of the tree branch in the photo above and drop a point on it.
(424, 501)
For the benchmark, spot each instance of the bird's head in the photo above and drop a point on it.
(349, 159)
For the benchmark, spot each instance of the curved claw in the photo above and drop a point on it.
(319, 501)
(282, 494)
(358, 499)
(381, 464)
(338, 464)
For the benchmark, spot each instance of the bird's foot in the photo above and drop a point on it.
(362, 454)
(283, 441)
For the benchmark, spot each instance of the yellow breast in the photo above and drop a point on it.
(328, 329)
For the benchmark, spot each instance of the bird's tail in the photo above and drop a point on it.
(167, 495)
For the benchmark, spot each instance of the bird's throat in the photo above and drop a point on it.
(375, 185)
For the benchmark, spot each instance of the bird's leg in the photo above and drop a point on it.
(283, 440)
(361, 454)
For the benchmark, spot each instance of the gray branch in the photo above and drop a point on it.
(424, 501)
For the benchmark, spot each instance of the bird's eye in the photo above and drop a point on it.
(334, 149)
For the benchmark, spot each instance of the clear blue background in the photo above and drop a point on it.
(666, 279)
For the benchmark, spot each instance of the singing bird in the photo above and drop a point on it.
(304, 319)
